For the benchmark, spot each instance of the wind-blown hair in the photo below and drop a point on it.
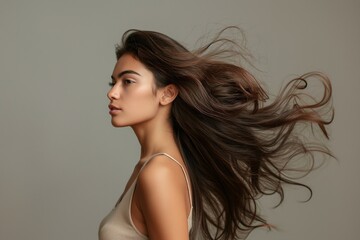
(237, 145)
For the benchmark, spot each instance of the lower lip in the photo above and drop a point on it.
(114, 111)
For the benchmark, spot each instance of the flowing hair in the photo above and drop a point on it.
(237, 145)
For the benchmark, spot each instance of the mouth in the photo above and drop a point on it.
(114, 109)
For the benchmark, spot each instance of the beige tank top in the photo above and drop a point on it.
(118, 224)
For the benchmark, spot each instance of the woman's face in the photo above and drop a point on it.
(132, 97)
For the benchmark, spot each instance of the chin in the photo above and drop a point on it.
(118, 124)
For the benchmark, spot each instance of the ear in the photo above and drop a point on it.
(168, 94)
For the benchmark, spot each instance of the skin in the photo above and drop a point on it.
(160, 204)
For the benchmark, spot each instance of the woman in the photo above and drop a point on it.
(209, 148)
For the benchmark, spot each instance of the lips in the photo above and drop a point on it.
(114, 109)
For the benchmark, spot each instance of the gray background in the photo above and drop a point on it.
(62, 165)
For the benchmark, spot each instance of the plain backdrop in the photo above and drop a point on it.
(63, 166)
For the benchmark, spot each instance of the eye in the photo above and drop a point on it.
(127, 81)
(111, 84)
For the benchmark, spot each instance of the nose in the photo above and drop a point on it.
(113, 93)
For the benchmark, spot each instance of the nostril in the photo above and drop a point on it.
(112, 94)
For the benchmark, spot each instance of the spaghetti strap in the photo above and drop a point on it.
(119, 223)
(176, 161)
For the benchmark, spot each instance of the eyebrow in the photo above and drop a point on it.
(125, 72)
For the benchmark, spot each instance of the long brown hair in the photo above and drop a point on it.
(236, 144)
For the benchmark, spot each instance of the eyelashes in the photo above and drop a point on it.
(125, 82)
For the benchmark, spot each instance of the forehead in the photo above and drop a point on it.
(127, 62)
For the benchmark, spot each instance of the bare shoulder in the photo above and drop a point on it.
(162, 194)
(161, 171)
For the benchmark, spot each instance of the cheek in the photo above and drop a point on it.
(139, 106)
(142, 107)
(142, 99)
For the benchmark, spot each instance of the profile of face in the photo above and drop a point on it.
(132, 97)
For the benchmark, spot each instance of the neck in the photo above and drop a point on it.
(155, 137)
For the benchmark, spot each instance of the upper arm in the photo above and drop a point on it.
(162, 199)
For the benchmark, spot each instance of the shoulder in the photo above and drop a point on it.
(161, 195)
(161, 171)
(162, 183)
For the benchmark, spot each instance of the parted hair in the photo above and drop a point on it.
(237, 143)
